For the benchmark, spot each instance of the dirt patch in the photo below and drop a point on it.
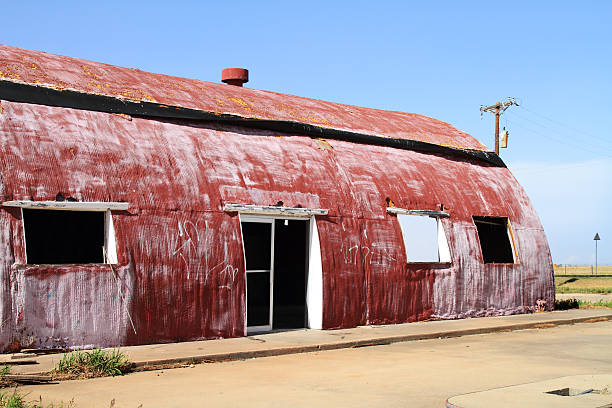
(597, 320)
(7, 383)
(544, 325)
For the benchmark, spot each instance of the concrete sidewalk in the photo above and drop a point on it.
(305, 340)
(577, 391)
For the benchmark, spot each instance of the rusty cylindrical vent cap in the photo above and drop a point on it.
(235, 76)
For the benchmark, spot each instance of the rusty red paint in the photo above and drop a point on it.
(180, 272)
(235, 76)
(60, 72)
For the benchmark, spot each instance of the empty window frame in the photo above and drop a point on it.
(424, 238)
(496, 241)
(69, 237)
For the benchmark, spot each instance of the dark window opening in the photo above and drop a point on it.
(494, 239)
(64, 237)
(290, 263)
(258, 299)
(257, 238)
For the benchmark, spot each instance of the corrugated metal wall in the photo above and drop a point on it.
(181, 274)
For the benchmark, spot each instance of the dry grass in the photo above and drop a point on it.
(90, 364)
(582, 270)
(5, 383)
(586, 284)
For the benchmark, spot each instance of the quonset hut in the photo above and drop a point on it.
(140, 208)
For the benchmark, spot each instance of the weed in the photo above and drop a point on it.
(18, 400)
(95, 363)
(14, 400)
(565, 304)
(601, 303)
(6, 370)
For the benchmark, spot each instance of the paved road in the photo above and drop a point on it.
(413, 374)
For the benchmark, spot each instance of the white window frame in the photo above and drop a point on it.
(110, 240)
(444, 253)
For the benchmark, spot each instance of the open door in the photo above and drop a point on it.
(258, 241)
(276, 252)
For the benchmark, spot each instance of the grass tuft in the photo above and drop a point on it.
(4, 383)
(14, 400)
(18, 400)
(601, 303)
(95, 363)
(6, 370)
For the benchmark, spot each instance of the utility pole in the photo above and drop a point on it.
(596, 239)
(498, 108)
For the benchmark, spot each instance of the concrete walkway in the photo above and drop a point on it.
(304, 340)
(578, 391)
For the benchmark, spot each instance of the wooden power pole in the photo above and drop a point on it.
(498, 108)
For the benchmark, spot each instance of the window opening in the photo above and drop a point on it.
(495, 240)
(65, 237)
(424, 238)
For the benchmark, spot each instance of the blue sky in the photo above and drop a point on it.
(441, 59)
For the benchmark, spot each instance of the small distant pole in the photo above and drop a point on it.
(596, 239)
(498, 108)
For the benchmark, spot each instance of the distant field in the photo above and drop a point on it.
(586, 284)
(582, 270)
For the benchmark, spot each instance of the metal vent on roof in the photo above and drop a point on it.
(235, 76)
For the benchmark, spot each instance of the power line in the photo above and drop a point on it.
(570, 141)
(566, 126)
(554, 168)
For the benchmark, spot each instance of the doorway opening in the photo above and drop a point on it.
(276, 254)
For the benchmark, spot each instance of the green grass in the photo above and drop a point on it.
(6, 370)
(95, 363)
(601, 303)
(17, 399)
(14, 400)
(600, 290)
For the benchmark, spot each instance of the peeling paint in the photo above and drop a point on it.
(61, 72)
(180, 272)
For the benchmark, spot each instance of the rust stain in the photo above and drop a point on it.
(323, 144)
(77, 74)
(177, 247)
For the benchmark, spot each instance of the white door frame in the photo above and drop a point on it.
(263, 220)
(314, 278)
